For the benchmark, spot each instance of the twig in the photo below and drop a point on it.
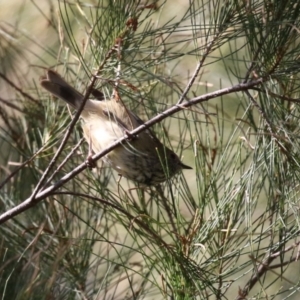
(263, 267)
(141, 224)
(170, 213)
(26, 162)
(64, 161)
(196, 72)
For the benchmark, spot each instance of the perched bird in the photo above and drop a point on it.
(141, 158)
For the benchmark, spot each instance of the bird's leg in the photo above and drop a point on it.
(130, 136)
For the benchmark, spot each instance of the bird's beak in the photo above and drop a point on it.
(183, 166)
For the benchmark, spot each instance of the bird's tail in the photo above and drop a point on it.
(57, 86)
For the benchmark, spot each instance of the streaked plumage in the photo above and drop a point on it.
(143, 159)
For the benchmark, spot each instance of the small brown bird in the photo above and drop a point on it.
(142, 158)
